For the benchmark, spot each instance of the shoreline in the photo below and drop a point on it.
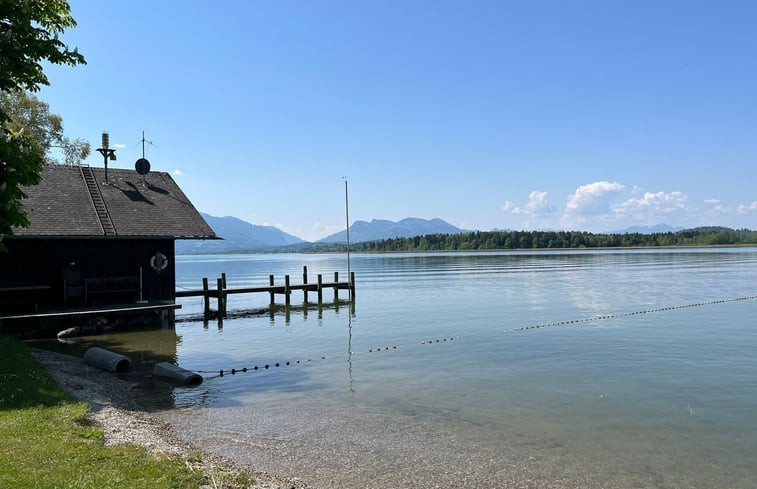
(492, 250)
(123, 421)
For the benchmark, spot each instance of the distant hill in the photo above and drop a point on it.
(379, 229)
(655, 228)
(715, 229)
(238, 236)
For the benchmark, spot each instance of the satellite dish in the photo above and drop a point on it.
(142, 166)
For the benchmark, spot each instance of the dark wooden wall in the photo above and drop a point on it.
(42, 261)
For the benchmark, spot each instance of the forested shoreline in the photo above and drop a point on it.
(519, 240)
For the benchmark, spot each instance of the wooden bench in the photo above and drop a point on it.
(22, 293)
(110, 286)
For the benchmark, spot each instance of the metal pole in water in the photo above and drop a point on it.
(347, 213)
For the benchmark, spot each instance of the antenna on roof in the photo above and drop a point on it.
(146, 141)
(143, 165)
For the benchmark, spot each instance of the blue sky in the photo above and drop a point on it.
(521, 115)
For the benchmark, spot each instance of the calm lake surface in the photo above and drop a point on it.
(663, 398)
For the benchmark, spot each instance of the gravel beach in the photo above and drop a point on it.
(450, 458)
(123, 422)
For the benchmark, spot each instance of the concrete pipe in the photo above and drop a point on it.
(177, 375)
(107, 360)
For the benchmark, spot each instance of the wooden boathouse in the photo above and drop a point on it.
(92, 243)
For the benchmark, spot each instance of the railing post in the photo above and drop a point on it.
(270, 282)
(287, 292)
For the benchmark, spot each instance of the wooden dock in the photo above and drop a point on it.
(221, 291)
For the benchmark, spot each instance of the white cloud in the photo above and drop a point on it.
(178, 172)
(537, 205)
(119, 146)
(591, 207)
(715, 209)
(651, 205)
(747, 209)
(593, 198)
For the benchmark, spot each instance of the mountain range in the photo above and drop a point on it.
(240, 236)
(656, 228)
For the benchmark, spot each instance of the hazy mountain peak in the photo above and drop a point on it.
(649, 229)
(238, 236)
(378, 229)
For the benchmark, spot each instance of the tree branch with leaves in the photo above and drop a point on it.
(29, 35)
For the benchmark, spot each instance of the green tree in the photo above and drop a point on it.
(27, 114)
(74, 150)
(29, 35)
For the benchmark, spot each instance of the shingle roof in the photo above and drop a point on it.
(62, 205)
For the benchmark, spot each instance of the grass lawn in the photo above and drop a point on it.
(47, 441)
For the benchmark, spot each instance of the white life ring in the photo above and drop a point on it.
(159, 262)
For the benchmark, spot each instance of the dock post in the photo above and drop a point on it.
(352, 284)
(305, 282)
(206, 296)
(270, 282)
(221, 299)
(287, 292)
(336, 286)
(225, 295)
(320, 289)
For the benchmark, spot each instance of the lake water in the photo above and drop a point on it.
(439, 378)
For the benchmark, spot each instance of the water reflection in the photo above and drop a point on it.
(147, 347)
(601, 405)
(606, 405)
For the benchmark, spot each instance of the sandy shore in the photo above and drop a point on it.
(123, 422)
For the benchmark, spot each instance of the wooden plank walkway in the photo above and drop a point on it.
(221, 291)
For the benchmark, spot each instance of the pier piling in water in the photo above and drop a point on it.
(222, 290)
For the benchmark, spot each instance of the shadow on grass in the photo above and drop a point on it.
(24, 382)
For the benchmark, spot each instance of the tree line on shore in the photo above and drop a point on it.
(519, 240)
